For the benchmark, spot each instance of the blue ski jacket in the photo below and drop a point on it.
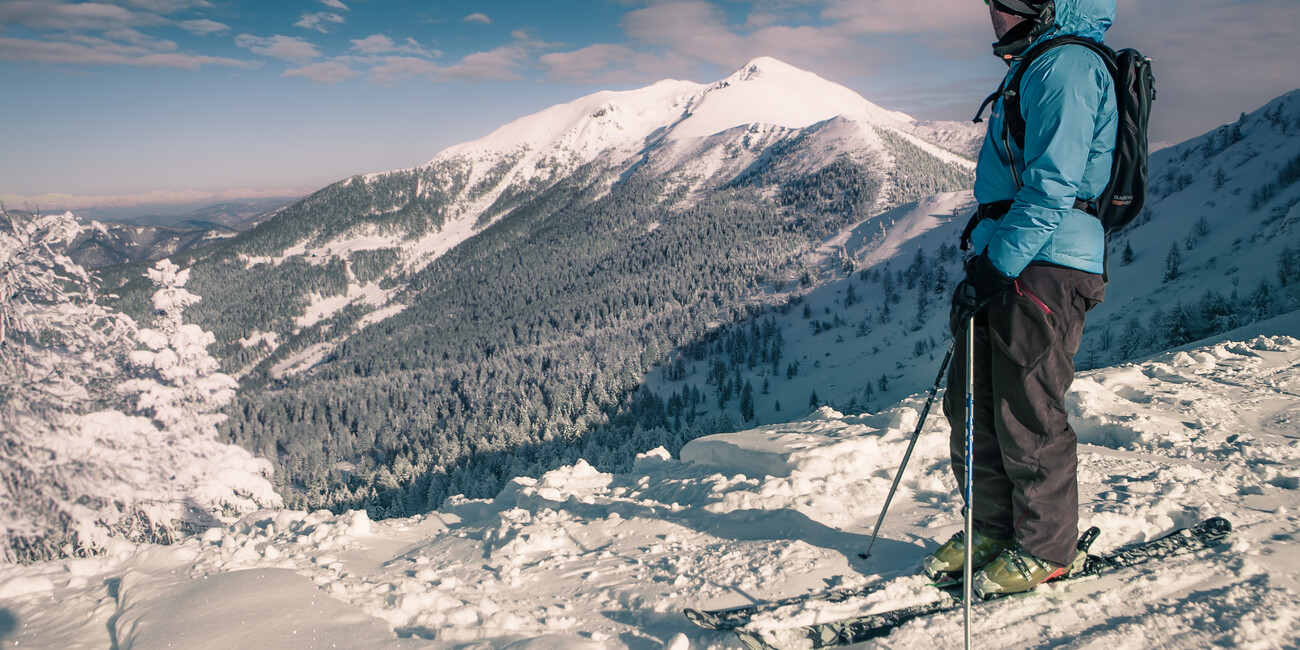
(1068, 101)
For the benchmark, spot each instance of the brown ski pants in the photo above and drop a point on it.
(1026, 459)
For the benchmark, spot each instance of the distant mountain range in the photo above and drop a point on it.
(150, 237)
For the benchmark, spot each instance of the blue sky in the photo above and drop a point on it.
(137, 101)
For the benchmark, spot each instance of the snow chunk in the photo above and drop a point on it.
(25, 586)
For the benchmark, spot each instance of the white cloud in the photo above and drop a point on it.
(600, 63)
(866, 17)
(100, 52)
(392, 69)
(54, 15)
(103, 33)
(322, 21)
(327, 72)
(280, 47)
(166, 6)
(504, 63)
(676, 36)
(334, 4)
(138, 39)
(376, 44)
(478, 18)
(203, 27)
(382, 44)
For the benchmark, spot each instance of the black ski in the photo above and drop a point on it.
(737, 617)
(1206, 534)
(733, 618)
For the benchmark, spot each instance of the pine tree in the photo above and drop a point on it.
(747, 402)
(1171, 263)
(922, 304)
(1135, 338)
(813, 402)
(179, 385)
(1287, 265)
(1126, 257)
(1261, 301)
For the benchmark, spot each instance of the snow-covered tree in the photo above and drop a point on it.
(58, 352)
(75, 468)
(180, 386)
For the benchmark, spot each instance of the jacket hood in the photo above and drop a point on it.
(1086, 18)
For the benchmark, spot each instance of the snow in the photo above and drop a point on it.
(581, 558)
(302, 361)
(340, 248)
(256, 338)
(768, 91)
(323, 307)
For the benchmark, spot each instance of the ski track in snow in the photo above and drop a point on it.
(584, 559)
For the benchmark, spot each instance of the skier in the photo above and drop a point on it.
(1037, 269)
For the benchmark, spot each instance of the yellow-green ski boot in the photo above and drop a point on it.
(951, 557)
(1015, 571)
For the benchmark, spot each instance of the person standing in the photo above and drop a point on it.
(1036, 270)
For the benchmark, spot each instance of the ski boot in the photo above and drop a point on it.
(1015, 571)
(949, 558)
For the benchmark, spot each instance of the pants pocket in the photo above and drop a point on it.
(1022, 328)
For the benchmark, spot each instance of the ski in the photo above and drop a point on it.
(1204, 535)
(737, 617)
(732, 618)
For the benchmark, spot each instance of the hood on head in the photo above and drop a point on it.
(1086, 18)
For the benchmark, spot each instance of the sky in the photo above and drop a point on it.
(157, 102)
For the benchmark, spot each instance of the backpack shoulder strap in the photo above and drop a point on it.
(1012, 116)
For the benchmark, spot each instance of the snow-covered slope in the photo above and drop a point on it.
(584, 559)
(1225, 206)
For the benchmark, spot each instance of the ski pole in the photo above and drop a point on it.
(925, 411)
(967, 569)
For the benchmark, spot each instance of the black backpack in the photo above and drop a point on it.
(1121, 202)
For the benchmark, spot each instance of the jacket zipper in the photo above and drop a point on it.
(1011, 161)
(1022, 290)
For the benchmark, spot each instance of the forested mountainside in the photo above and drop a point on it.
(409, 335)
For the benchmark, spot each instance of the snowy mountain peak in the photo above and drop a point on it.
(769, 91)
(764, 66)
(764, 91)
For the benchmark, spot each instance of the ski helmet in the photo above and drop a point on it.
(1026, 8)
